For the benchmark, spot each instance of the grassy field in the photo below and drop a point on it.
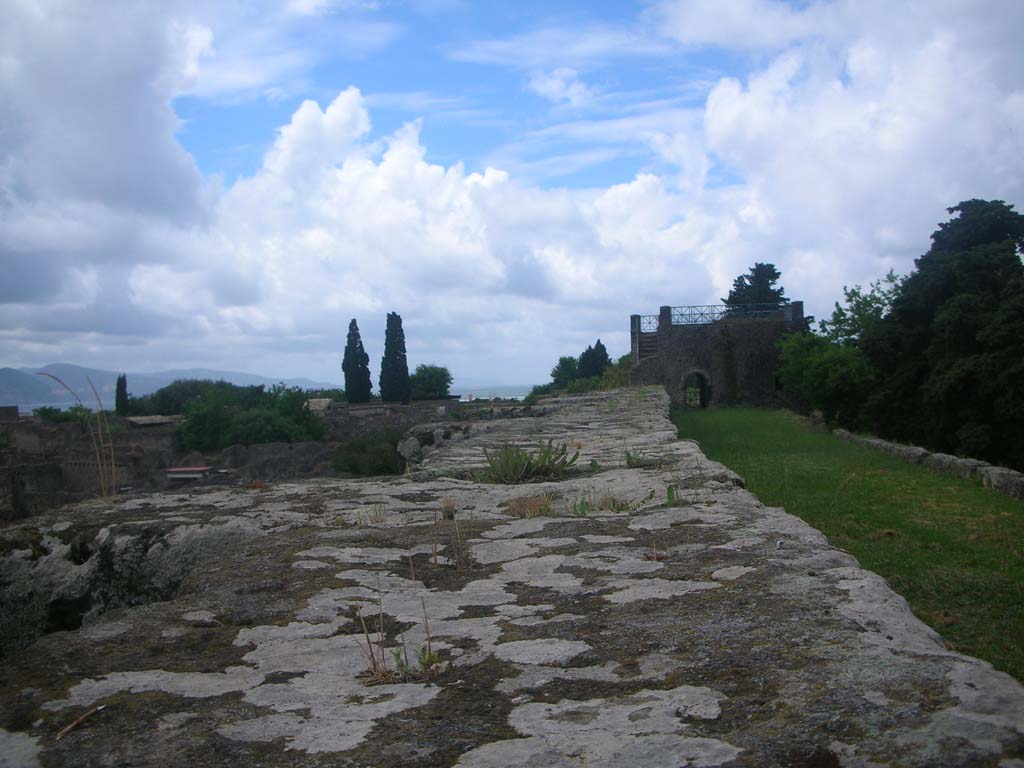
(953, 549)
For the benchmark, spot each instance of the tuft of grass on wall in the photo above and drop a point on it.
(953, 549)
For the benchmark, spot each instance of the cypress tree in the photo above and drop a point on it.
(121, 395)
(356, 365)
(593, 361)
(394, 368)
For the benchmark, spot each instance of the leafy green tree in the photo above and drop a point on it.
(825, 375)
(356, 365)
(951, 347)
(394, 367)
(225, 414)
(430, 381)
(617, 374)
(121, 396)
(862, 310)
(757, 287)
(564, 372)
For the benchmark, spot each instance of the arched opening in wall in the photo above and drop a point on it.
(696, 390)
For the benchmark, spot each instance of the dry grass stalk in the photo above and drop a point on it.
(99, 445)
(532, 506)
(448, 508)
(74, 723)
(433, 541)
(654, 554)
(378, 672)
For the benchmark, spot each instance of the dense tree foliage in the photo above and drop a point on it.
(226, 415)
(565, 376)
(593, 361)
(862, 310)
(757, 287)
(394, 367)
(935, 358)
(172, 399)
(951, 350)
(430, 381)
(356, 366)
(121, 396)
(565, 371)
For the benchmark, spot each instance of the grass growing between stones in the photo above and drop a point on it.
(953, 549)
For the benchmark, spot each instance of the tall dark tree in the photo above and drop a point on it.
(757, 287)
(593, 361)
(121, 396)
(356, 365)
(394, 367)
(952, 347)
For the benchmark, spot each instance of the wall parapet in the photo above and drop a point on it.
(1001, 479)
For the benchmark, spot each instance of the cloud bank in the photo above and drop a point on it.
(833, 157)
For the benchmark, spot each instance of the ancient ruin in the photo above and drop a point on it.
(645, 610)
(713, 355)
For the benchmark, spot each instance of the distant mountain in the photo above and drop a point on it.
(26, 387)
(18, 387)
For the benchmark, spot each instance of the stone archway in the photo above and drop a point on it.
(696, 389)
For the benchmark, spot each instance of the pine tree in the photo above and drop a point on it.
(356, 365)
(757, 287)
(394, 368)
(121, 396)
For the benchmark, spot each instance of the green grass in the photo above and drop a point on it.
(953, 549)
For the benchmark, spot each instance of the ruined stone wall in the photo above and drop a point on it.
(44, 465)
(346, 422)
(738, 358)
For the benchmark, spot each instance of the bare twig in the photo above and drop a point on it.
(74, 723)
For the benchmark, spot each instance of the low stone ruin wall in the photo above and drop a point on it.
(347, 421)
(1001, 479)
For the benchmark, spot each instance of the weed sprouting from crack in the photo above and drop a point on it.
(378, 670)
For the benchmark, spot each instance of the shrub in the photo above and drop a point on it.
(226, 415)
(430, 381)
(511, 464)
(374, 454)
(537, 392)
(262, 425)
(76, 414)
(205, 426)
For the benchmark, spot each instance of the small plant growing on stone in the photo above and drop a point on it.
(613, 504)
(673, 496)
(512, 464)
(634, 459)
(375, 515)
(654, 554)
(580, 508)
(378, 671)
(595, 466)
(531, 506)
(448, 508)
(458, 548)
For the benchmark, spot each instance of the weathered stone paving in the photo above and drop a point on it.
(222, 626)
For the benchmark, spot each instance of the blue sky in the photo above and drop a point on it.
(471, 72)
(226, 185)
